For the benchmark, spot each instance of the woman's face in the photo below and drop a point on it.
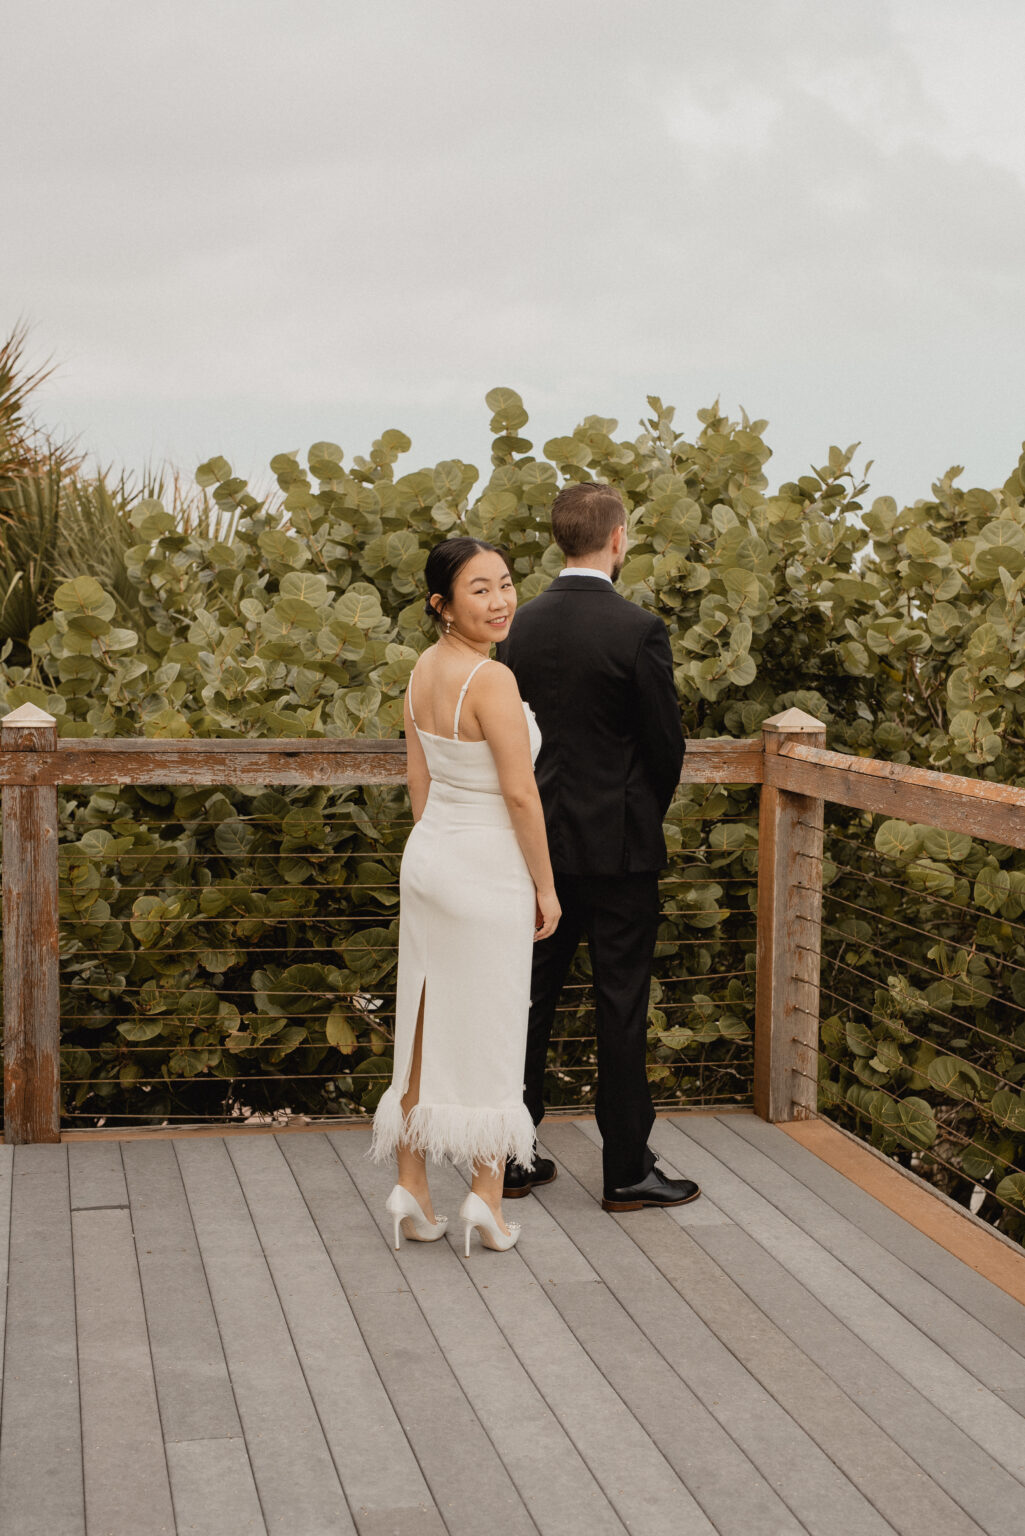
(483, 598)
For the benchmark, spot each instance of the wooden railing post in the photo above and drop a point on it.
(31, 976)
(789, 932)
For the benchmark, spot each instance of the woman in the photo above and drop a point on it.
(476, 890)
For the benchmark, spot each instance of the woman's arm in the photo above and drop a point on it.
(499, 713)
(417, 776)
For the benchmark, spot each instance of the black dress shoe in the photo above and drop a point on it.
(520, 1181)
(654, 1189)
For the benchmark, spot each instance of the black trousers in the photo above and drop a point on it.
(619, 915)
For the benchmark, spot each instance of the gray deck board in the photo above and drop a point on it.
(922, 1303)
(127, 1490)
(802, 1476)
(978, 1296)
(549, 1470)
(213, 1488)
(460, 1465)
(295, 1476)
(371, 1454)
(928, 1350)
(989, 1494)
(97, 1175)
(41, 1441)
(193, 1387)
(214, 1336)
(6, 1181)
(724, 1483)
(868, 1456)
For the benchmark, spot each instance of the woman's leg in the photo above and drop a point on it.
(488, 1184)
(412, 1169)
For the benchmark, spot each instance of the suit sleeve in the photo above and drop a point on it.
(662, 742)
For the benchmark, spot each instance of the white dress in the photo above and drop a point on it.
(466, 935)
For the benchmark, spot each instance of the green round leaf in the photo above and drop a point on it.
(1008, 1109)
(310, 587)
(340, 1032)
(949, 1075)
(213, 472)
(898, 840)
(84, 597)
(951, 847)
(1012, 1189)
(507, 410)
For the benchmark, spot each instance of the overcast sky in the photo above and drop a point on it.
(240, 226)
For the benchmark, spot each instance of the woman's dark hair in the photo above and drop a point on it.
(444, 563)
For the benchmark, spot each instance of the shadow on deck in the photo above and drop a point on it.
(214, 1336)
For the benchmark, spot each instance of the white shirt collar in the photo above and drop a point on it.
(585, 570)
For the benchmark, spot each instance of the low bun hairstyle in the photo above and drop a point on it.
(444, 563)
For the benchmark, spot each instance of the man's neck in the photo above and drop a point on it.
(596, 562)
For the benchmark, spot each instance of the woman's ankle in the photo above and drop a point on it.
(493, 1202)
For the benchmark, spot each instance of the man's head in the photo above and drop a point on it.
(589, 526)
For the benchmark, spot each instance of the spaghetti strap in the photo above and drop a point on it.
(462, 694)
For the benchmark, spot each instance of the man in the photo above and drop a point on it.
(598, 673)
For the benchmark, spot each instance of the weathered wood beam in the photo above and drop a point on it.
(353, 760)
(30, 938)
(789, 930)
(119, 760)
(722, 760)
(978, 807)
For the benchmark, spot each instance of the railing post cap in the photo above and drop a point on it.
(27, 715)
(791, 721)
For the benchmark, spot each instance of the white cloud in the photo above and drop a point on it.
(238, 224)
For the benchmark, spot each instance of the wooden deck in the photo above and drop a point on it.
(214, 1336)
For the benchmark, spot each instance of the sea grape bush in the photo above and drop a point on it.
(219, 941)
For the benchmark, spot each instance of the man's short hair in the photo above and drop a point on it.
(584, 516)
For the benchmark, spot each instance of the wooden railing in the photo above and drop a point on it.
(788, 760)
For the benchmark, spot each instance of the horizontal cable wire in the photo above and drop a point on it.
(857, 906)
(308, 856)
(928, 1007)
(951, 1167)
(221, 1077)
(304, 992)
(947, 1130)
(1000, 1040)
(181, 890)
(319, 1045)
(943, 901)
(944, 1130)
(680, 1068)
(853, 941)
(331, 949)
(341, 818)
(377, 949)
(279, 1117)
(949, 1056)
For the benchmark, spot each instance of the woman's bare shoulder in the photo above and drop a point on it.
(423, 668)
(498, 681)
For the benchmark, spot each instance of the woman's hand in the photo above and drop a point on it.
(547, 915)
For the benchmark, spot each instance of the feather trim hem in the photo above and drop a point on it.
(473, 1137)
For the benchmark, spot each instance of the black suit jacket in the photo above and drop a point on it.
(598, 673)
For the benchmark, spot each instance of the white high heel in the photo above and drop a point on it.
(474, 1212)
(410, 1219)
